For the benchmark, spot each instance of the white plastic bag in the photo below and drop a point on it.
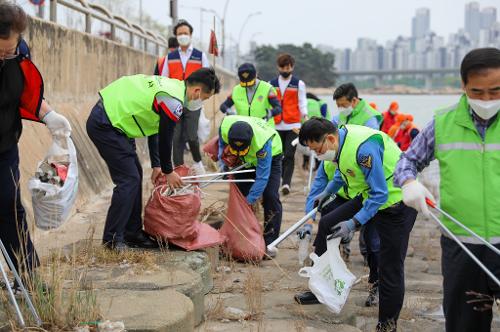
(329, 278)
(203, 127)
(52, 203)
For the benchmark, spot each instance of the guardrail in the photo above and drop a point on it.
(94, 11)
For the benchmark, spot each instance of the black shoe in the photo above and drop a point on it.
(306, 298)
(372, 298)
(387, 326)
(116, 246)
(140, 240)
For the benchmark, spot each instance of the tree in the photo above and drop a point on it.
(312, 66)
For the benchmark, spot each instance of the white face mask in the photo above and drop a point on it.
(195, 104)
(328, 155)
(346, 111)
(485, 109)
(184, 40)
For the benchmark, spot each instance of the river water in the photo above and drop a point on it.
(421, 107)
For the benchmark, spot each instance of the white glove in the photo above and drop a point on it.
(414, 195)
(58, 125)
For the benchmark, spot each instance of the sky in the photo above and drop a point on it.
(331, 22)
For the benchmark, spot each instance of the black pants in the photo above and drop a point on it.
(287, 136)
(118, 151)
(273, 211)
(13, 226)
(393, 225)
(340, 210)
(460, 275)
(186, 130)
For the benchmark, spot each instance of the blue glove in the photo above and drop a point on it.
(307, 229)
(342, 229)
(321, 199)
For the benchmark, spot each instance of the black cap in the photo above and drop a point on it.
(240, 135)
(247, 72)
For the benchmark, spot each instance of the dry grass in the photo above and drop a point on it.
(253, 289)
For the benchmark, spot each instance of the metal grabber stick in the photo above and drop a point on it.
(295, 226)
(21, 285)
(237, 168)
(467, 251)
(467, 229)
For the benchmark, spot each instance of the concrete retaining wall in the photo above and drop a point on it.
(75, 66)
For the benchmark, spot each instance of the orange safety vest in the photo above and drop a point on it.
(175, 69)
(402, 137)
(289, 101)
(388, 121)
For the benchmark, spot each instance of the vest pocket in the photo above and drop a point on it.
(138, 125)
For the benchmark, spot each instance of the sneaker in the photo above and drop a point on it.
(285, 189)
(372, 299)
(198, 168)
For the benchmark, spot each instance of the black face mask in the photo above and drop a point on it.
(285, 74)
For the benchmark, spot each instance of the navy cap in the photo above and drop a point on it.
(247, 72)
(240, 135)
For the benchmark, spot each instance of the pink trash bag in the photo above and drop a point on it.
(175, 217)
(172, 216)
(243, 232)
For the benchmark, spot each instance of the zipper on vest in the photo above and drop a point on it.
(138, 125)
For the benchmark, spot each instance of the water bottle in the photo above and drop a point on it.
(304, 248)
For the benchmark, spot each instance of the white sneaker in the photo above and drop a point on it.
(198, 168)
(285, 189)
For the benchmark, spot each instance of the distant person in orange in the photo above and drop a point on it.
(390, 117)
(373, 105)
(403, 131)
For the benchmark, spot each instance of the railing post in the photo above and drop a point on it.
(113, 32)
(131, 41)
(53, 11)
(88, 23)
(145, 45)
(157, 49)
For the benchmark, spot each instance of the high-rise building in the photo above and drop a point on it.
(488, 17)
(472, 20)
(421, 23)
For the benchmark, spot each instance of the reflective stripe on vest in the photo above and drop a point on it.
(258, 105)
(360, 114)
(175, 69)
(289, 101)
(262, 133)
(351, 171)
(128, 102)
(469, 172)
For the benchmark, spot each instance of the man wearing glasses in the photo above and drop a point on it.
(21, 97)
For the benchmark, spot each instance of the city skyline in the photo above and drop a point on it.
(423, 49)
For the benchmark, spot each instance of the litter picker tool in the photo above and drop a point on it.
(467, 251)
(467, 229)
(218, 181)
(217, 174)
(21, 285)
(294, 227)
(237, 168)
(312, 164)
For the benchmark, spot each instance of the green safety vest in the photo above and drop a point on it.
(330, 167)
(360, 114)
(314, 109)
(128, 102)
(469, 170)
(262, 133)
(351, 171)
(258, 105)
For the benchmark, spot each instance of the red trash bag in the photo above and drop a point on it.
(211, 148)
(207, 237)
(172, 217)
(242, 230)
